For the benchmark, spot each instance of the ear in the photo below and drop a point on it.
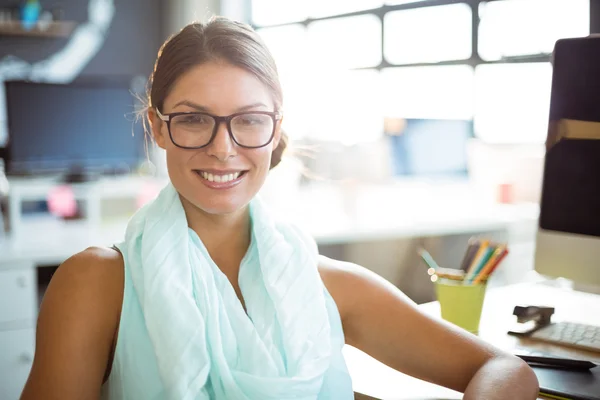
(277, 136)
(156, 127)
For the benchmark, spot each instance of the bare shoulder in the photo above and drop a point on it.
(94, 271)
(77, 324)
(94, 279)
(98, 261)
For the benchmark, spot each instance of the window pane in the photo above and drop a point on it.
(333, 7)
(287, 44)
(348, 116)
(521, 27)
(351, 42)
(429, 34)
(271, 12)
(444, 92)
(512, 102)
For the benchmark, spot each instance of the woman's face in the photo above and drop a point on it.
(220, 89)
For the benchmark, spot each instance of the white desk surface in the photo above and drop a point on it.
(376, 379)
(334, 215)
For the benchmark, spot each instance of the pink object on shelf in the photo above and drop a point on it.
(506, 193)
(61, 201)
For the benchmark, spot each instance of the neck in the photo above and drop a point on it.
(225, 236)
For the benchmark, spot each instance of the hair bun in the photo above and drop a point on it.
(277, 154)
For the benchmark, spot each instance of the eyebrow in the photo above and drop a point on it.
(201, 108)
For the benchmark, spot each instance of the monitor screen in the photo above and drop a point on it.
(571, 188)
(55, 127)
(431, 147)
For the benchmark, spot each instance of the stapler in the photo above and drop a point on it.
(531, 319)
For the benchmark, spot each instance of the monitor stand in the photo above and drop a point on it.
(78, 174)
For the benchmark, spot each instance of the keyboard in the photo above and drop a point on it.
(581, 336)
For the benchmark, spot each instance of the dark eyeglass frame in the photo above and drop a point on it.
(275, 115)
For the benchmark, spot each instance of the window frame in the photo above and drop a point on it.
(473, 61)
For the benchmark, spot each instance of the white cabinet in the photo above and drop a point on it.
(18, 310)
(18, 288)
(16, 356)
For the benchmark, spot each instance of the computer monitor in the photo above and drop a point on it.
(88, 125)
(414, 155)
(568, 238)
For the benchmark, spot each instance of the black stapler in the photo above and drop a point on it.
(531, 319)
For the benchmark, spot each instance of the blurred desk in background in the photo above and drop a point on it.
(378, 380)
(333, 214)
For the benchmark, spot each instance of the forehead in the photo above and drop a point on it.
(219, 87)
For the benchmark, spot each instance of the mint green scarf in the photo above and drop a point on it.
(205, 344)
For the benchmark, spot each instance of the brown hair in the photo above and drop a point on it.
(220, 39)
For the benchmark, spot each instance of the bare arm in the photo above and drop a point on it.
(76, 327)
(381, 321)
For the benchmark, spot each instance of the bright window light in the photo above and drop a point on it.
(525, 27)
(352, 42)
(342, 106)
(428, 34)
(287, 44)
(444, 92)
(512, 102)
(272, 12)
(336, 7)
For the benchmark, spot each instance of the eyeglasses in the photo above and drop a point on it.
(195, 130)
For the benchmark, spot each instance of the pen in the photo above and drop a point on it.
(428, 259)
(561, 363)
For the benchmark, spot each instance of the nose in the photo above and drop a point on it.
(222, 147)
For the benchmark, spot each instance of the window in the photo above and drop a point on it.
(347, 108)
(418, 60)
(281, 39)
(428, 34)
(336, 7)
(512, 102)
(524, 27)
(356, 40)
(444, 92)
(271, 12)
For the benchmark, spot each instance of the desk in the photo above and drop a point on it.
(375, 379)
(333, 214)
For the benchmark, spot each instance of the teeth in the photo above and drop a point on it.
(219, 178)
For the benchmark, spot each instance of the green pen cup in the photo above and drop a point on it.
(461, 304)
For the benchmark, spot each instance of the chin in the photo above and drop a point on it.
(220, 207)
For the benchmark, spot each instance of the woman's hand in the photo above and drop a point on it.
(381, 321)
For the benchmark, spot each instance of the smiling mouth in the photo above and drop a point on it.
(220, 178)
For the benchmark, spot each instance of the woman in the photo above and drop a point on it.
(208, 297)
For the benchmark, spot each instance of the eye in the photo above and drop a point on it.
(193, 119)
(251, 119)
